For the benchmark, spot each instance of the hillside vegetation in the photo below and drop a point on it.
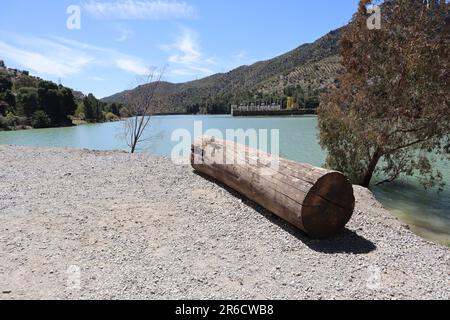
(31, 102)
(302, 73)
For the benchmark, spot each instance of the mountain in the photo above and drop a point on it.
(310, 68)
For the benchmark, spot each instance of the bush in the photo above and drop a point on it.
(79, 113)
(110, 117)
(40, 120)
(3, 123)
(81, 116)
(124, 112)
(27, 101)
(92, 109)
(11, 121)
(3, 108)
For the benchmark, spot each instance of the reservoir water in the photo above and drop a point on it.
(426, 211)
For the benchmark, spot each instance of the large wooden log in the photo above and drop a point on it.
(320, 202)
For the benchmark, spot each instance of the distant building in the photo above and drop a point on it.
(2, 64)
(254, 108)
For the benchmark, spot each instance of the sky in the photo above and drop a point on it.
(107, 46)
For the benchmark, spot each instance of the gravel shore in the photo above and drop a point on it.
(77, 224)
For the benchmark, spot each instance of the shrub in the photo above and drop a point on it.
(3, 108)
(110, 117)
(3, 123)
(40, 120)
(80, 111)
(11, 121)
(124, 112)
(92, 109)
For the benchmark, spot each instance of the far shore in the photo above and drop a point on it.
(110, 225)
(75, 122)
(80, 122)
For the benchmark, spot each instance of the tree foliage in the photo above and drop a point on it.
(27, 101)
(24, 81)
(7, 98)
(390, 111)
(57, 102)
(5, 83)
(40, 119)
(92, 109)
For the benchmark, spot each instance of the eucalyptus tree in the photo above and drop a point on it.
(389, 114)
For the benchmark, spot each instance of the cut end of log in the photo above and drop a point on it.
(329, 206)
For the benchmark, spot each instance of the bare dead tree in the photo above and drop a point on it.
(140, 105)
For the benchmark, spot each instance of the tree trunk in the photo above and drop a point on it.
(320, 202)
(133, 147)
(371, 169)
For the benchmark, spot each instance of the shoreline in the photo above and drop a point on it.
(74, 124)
(77, 123)
(432, 230)
(140, 227)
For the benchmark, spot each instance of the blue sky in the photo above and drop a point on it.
(120, 40)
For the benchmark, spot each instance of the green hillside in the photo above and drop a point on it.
(301, 73)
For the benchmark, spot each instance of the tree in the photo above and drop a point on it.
(24, 81)
(311, 102)
(58, 102)
(27, 101)
(92, 108)
(139, 110)
(7, 98)
(390, 111)
(40, 120)
(5, 83)
(290, 103)
(194, 109)
(124, 112)
(48, 97)
(114, 109)
(67, 105)
(3, 108)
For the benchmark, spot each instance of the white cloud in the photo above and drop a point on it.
(186, 48)
(192, 71)
(132, 66)
(123, 33)
(139, 9)
(205, 71)
(212, 60)
(61, 63)
(187, 56)
(62, 57)
(241, 55)
(183, 72)
(125, 62)
(80, 45)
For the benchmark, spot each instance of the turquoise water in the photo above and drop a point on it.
(427, 212)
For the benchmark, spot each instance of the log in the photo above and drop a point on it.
(320, 202)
